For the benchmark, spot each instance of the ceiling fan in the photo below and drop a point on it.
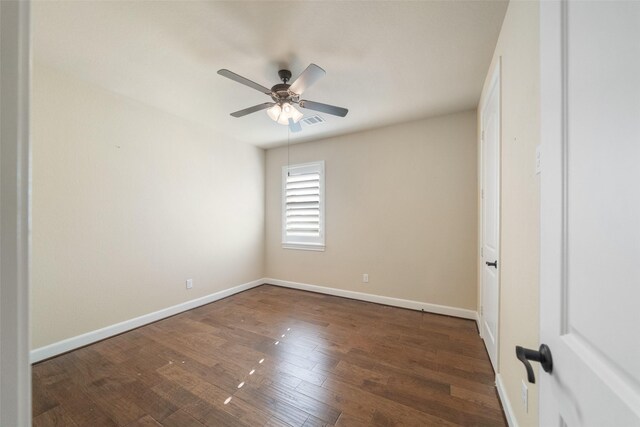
(284, 95)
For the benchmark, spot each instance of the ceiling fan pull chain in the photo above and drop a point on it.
(288, 144)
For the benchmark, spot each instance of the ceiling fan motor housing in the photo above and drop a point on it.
(281, 93)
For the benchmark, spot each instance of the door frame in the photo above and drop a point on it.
(494, 82)
(15, 74)
(552, 179)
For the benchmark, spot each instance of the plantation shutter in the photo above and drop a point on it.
(303, 206)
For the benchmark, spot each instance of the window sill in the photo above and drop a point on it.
(304, 246)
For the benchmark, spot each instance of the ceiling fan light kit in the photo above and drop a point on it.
(282, 114)
(284, 95)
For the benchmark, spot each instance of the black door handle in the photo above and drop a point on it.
(492, 264)
(543, 355)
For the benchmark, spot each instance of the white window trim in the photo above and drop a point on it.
(301, 242)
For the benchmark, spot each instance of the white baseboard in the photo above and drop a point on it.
(72, 343)
(506, 403)
(396, 302)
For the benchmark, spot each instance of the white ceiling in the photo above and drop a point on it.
(388, 62)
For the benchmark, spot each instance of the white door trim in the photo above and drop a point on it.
(15, 370)
(495, 81)
(552, 181)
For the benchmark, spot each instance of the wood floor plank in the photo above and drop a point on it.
(149, 401)
(355, 408)
(315, 422)
(308, 404)
(181, 419)
(74, 397)
(212, 396)
(445, 407)
(347, 420)
(269, 374)
(56, 416)
(427, 372)
(112, 398)
(273, 405)
(213, 416)
(275, 422)
(273, 356)
(480, 398)
(177, 395)
(42, 401)
(385, 407)
(146, 421)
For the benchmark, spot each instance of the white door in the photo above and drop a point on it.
(590, 213)
(490, 199)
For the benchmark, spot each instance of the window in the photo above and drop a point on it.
(303, 206)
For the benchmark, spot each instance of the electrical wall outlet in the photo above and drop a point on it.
(365, 278)
(525, 396)
(189, 283)
(538, 160)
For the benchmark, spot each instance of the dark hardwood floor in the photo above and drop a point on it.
(283, 357)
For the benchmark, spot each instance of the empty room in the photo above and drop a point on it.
(320, 213)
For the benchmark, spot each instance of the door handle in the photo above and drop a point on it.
(543, 355)
(492, 264)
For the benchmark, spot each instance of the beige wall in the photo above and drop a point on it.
(520, 212)
(128, 203)
(400, 205)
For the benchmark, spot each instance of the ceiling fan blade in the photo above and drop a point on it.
(325, 108)
(253, 109)
(293, 126)
(237, 78)
(309, 76)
